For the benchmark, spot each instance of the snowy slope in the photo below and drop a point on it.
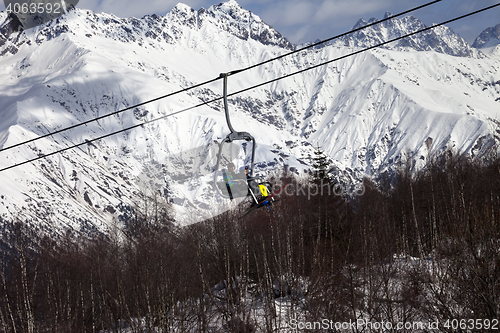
(367, 112)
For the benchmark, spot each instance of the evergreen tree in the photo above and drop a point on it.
(321, 165)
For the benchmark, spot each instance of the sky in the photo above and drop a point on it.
(302, 21)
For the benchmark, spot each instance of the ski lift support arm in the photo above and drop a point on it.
(234, 135)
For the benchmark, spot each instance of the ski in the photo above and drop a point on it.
(264, 202)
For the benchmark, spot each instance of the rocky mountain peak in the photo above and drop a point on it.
(440, 39)
(227, 16)
(230, 5)
(488, 38)
(231, 17)
(180, 7)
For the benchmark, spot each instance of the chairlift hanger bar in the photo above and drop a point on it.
(226, 109)
(232, 136)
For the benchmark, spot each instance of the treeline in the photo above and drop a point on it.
(424, 247)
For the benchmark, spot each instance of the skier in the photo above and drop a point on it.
(235, 182)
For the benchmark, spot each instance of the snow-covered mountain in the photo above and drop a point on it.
(440, 39)
(489, 40)
(368, 112)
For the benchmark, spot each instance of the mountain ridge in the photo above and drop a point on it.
(488, 38)
(440, 39)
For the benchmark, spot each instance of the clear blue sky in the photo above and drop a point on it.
(307, 20)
